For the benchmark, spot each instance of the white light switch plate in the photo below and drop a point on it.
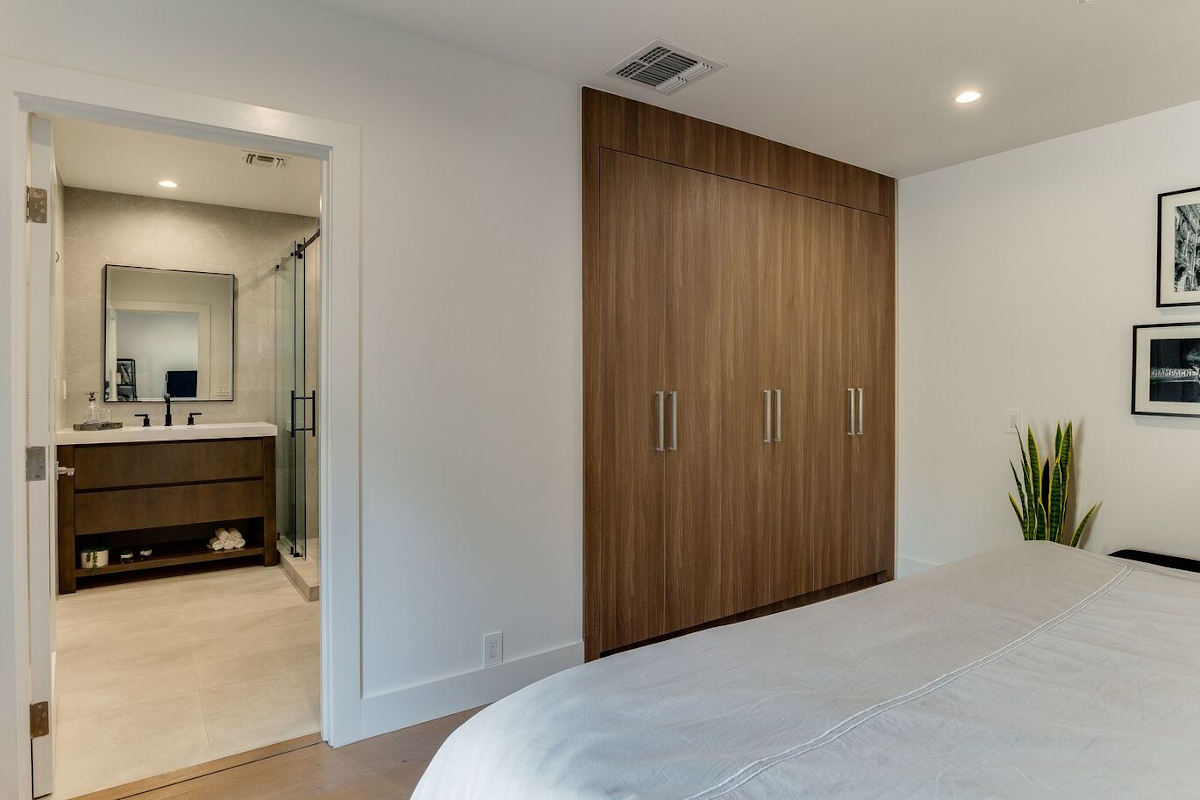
(1014, 421)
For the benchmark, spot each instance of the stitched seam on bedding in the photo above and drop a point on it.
(756, 768)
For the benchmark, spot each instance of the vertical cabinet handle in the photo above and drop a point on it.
(851, 431)
(766, 416)
(778, 414)
(674, 420)
(659, 397)
(860, 411)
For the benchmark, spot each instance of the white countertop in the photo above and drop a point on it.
(159, 433)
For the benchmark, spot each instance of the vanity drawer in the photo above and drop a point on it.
(161, 506)
(106, 466)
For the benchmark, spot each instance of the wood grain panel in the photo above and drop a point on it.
(270, 551)
(633, 235)
(158, 463)
(65, 504)
(748, 357)
(872, 341)
(692, 259)
(811, 458)
(595, 407)
(834, 551)
(645, 130)
(157, 507)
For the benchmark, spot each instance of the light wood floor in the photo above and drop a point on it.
(383, 768)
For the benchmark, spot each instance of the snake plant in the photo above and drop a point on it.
(1044, 490)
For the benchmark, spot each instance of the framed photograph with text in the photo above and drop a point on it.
(1179, 248)
(1166, 369)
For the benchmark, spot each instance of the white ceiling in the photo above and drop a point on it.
(90, 155)
(870, 82)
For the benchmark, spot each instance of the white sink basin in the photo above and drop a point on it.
(160, 433)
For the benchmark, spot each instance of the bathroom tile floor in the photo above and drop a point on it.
(162, 674)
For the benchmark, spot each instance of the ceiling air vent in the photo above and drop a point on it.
(664, 67)
(264, 160)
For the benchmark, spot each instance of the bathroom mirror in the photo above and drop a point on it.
(167, 331)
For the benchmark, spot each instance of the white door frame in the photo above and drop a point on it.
(37, 88)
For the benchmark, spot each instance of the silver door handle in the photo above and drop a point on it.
(766, 416)
(860, 411)
(778, 414)
(659, 396)
(67, 471)
(674, 420)
(851, 431)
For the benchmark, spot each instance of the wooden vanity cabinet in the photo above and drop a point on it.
(170, 496)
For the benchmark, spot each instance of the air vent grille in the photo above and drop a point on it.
(664, 67)
(264, 160)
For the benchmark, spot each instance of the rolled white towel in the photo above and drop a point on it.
(225, 535)
(215, 544)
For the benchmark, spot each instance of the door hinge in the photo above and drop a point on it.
(35, 463)
(36, 204)
(39, 719)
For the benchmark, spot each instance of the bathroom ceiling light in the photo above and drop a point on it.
(168, 184)
(969, 96)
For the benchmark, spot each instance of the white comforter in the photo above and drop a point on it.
(1031, 671)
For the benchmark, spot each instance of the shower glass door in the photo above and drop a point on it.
(291, 406)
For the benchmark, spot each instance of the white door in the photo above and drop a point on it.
(40, 494)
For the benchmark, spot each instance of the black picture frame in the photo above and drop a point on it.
(1142, 375)
(1163, 298)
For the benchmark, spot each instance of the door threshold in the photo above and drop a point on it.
(143, 785)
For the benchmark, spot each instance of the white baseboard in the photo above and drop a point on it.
(911, 566)
(390, 711)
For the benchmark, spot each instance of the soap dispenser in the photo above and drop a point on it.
(98, 418)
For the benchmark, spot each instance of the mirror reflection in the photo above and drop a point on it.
(167, 332)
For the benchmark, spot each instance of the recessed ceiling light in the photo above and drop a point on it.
(168, 184)
(969, 96)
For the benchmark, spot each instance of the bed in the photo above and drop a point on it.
(1031, 671)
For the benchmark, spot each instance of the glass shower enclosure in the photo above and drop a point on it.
(295, 410)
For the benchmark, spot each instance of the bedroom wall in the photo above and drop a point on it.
(1020, 278)
(471, 341)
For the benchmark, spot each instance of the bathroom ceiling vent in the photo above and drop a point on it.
(264, 160)
(664, 67)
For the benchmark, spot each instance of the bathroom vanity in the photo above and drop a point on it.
(166, 489)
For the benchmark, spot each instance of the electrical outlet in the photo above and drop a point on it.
(1014, 421)
(493, 649)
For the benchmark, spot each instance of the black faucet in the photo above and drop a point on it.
(167, 398)
(145, 419)
(192, 417)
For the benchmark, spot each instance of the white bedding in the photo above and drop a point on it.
(1031, 671)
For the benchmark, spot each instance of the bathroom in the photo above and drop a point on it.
(186, 316)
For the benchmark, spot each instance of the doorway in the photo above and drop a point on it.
(26, 646)
(178, 639)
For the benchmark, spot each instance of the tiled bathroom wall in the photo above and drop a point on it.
(104, 227)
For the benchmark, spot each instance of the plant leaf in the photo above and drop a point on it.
(1017, 510)
(1083, 523)
(1030, 503)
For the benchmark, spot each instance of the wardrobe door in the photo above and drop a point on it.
(837, 549)
(871, 335)
(693, 259)
(634, 238)
(751, 305)
(812, 455)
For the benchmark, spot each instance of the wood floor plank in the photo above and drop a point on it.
(386, 766)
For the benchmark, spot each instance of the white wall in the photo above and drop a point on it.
(470, 317)
(1020, 278)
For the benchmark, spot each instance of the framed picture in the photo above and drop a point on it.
(1179, 248)
(1166, 369)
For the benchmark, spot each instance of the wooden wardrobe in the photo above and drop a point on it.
(738, 300)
